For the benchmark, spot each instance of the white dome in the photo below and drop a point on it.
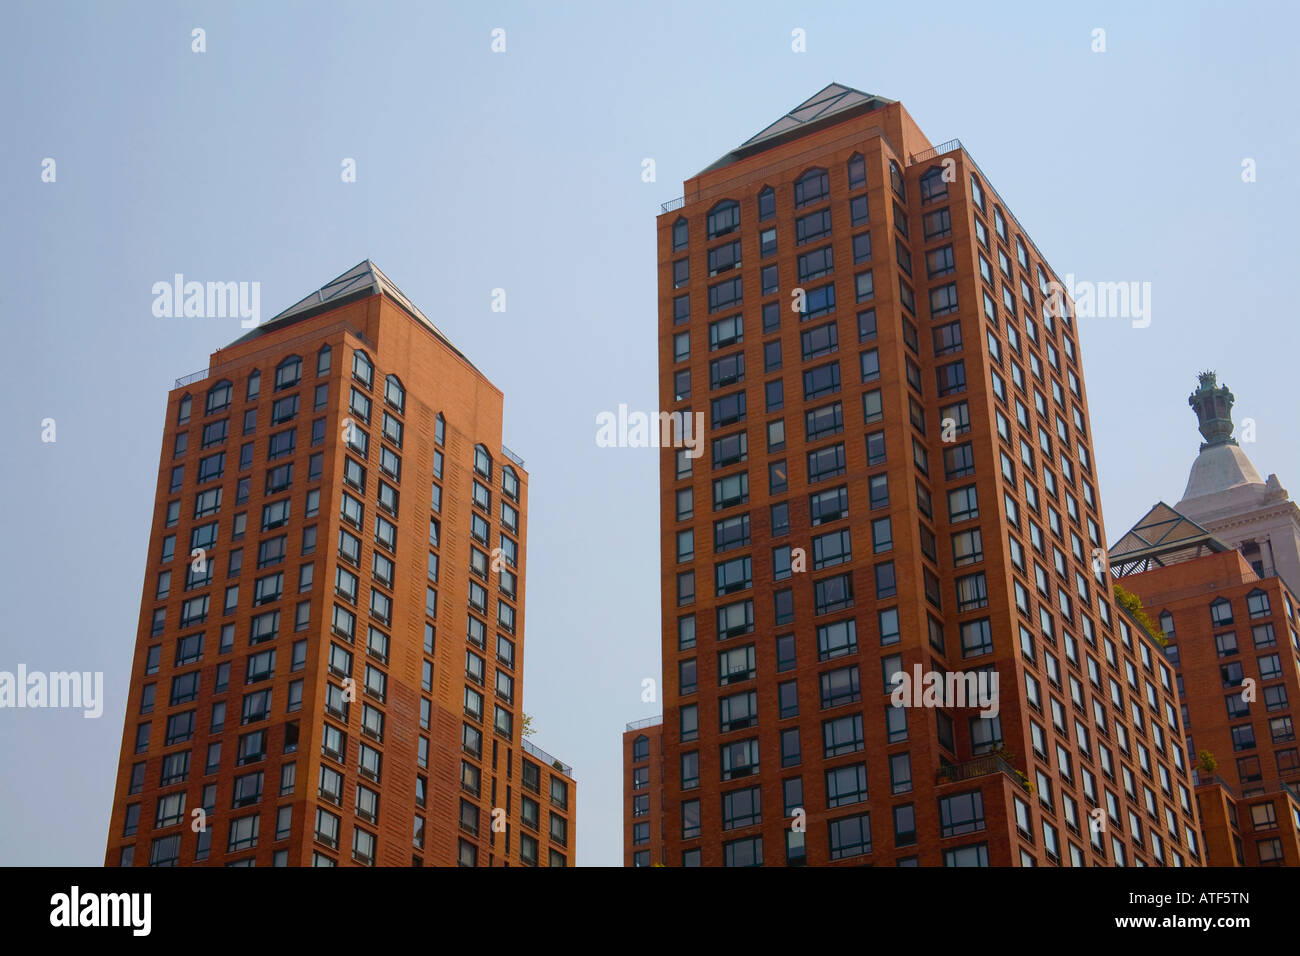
(1220, 468)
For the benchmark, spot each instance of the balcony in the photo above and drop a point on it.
(981, 767)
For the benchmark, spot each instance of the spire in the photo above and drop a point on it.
(1213, 406)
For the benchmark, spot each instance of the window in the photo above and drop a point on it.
(213, 434)
(933, 185)
(850, 836)
(777, 474)
(362, 368)
(725, 332)
(812, 187)
(961, 813)
(840, 687)
(846, 785)
(976, 638)
(165, 851)
(936, 224)
(681, 273)
(738, 618)
(723, 218)
(1221, 613)
(951, 378)
(819, 301)
(1257, 604)
(857, 171)
(962, 504)
(735, 665)
(815, 264)
(680, 234)
(864, 286)
(785, 653)
(859, 213)
(826, 463)
(821, 380)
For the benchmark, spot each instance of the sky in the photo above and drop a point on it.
(522, 170)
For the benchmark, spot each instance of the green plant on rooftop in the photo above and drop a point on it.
(1133, 604)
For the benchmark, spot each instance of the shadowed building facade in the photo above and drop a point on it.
(328, 668)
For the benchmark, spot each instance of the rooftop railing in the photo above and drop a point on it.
(550, 761)
(1201, 778)
(647, 722)
(939, 150)
(192, 377)
(512, 456)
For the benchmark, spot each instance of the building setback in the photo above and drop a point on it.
(1228, 615)
(643, 792)
(897, 474)
(329, 663)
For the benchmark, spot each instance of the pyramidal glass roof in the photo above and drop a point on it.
(1162, 537)
(363, 279)
(824, 105)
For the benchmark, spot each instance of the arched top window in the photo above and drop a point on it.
(724, 217)
(363, 370)
(812, 187)
(1257, 603)
(857, 171)
(183, 410)
(976, 192)
(510, 483)
(933, 185)
(896, 181)
(680, 233)
(440, 429)
(323, 360)
(766, 203)
(482, 461)
(641, 748)
(288, 373)
(394, 393)
(219, 397)
(254, 387)
(1167, 624)
(1221, 612)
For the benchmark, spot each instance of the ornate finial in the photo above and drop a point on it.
(1213, 406)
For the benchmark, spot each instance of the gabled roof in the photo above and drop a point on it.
(1162, 537)
(831, 103)
(362, 280)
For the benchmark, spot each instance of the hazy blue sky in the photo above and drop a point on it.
(522, 170)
